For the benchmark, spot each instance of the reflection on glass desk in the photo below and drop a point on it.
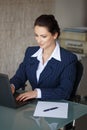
(23, 119)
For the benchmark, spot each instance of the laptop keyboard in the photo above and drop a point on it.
(19, 102)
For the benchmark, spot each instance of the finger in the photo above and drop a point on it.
(12, 88)
(27, 98)
(20, 97)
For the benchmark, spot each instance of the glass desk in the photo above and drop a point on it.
(23, 119)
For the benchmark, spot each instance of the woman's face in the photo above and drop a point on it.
(43, 37)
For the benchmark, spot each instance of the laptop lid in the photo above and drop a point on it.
(6, 97)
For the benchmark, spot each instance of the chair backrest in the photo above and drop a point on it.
(78, 78)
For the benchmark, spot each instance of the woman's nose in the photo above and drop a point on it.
(39, 40)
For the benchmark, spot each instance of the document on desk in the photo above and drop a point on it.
(51, 109)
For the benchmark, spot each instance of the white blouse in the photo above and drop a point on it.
(41, 66)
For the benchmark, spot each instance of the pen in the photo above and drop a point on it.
(50, 109)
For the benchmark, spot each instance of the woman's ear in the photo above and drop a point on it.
(55, 35)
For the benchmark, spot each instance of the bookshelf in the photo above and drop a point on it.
(75, 40)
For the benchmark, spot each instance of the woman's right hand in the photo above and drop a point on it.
(12, 88)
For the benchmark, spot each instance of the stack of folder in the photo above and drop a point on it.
(74, 39)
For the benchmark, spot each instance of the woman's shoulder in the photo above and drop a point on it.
(66, 54)
(31, 50)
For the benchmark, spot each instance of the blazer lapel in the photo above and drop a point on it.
(33, 67)
(48, 70)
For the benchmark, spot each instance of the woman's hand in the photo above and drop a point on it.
(27, 95)
(12, 88)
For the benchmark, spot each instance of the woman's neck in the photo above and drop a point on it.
(47, 53)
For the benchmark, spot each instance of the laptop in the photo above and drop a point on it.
(6, 97)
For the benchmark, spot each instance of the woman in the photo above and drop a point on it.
(50, 69)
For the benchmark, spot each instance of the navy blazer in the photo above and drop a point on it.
(56, 80)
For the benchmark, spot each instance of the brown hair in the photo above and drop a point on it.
(49, 22)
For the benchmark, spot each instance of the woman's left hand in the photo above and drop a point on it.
(27, 95)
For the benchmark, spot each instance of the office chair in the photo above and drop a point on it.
(74, 97)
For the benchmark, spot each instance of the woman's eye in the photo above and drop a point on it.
(44, 36)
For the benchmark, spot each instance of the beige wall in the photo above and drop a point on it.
(16, 25)
(16, 29)
(71, 13)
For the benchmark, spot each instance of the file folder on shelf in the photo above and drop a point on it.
(78, 33)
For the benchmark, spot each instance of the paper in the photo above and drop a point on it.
(60, 112)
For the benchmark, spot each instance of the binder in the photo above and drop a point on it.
(74, 46)
(79, 34)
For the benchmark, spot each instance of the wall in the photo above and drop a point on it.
(16, 25)
(71, 13)
(16, 29)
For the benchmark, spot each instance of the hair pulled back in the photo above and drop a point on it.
(49, 22)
